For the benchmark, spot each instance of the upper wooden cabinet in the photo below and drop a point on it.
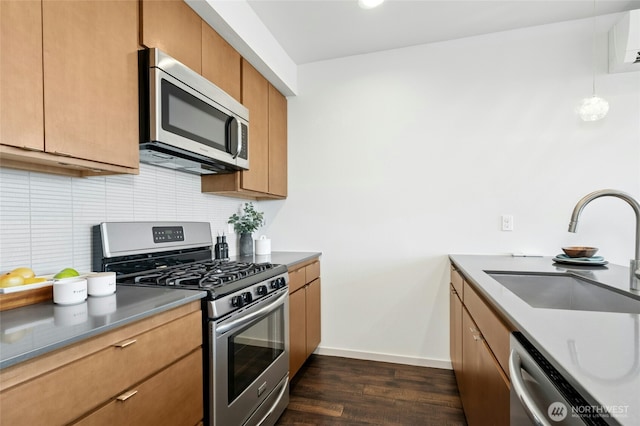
(255, 96)
(277, 143)
(220, 62)
(267, 174)
(91, 80)
(74, 110)
(21, 113)
(173, 27)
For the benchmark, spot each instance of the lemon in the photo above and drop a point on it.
(24, 272)
(34, 280)
(11, 280)
(66, 273)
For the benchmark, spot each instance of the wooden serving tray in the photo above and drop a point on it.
(24, 298)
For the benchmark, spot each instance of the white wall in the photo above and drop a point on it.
(46, 220)
(401, 157)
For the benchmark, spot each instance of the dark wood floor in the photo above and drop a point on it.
(342, 391)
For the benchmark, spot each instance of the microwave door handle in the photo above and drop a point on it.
(234, 135)
(239, 139)
(517, 382)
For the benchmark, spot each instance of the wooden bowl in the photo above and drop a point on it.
(579, 251)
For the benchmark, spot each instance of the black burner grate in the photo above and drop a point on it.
(203, 275)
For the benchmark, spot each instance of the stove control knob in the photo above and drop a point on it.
(247, 298)
(274, 284)
(281, 282)
(237, 301)
(262, 290)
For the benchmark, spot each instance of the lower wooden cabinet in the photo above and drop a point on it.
(455, 342)
(485, 388)
(134, 373)
(171, 397)
(477, 336)
(304, 314)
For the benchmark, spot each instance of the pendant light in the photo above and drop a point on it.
(369, 4)
(593, 108)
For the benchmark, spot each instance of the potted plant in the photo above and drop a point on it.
(245, 224)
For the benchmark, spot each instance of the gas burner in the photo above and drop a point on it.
(201, 275)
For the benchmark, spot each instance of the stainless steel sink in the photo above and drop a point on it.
(565, 291)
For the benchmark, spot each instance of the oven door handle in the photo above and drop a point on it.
(223, 328)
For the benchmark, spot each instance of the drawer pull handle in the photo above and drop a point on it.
(126, 395)
(125, 343)
(473, 329)
(477, 337)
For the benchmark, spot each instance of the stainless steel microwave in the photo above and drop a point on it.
(188, 123)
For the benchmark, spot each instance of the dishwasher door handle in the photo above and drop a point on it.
(517, 382)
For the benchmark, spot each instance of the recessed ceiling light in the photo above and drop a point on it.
(369, 4)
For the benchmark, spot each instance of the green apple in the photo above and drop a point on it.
(66, 273)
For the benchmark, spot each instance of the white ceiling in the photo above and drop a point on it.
(315, 30)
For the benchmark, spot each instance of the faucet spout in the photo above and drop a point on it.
(577, 210)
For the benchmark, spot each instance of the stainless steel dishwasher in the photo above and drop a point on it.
(540, 395)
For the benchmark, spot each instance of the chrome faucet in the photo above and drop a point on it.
(635, 263)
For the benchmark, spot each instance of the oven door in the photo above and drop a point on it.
(250, 363)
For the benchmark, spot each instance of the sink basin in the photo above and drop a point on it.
(568, 292)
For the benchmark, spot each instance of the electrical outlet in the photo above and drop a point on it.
(230, 229)
(507, 222)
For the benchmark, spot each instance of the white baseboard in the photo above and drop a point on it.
(373, 356)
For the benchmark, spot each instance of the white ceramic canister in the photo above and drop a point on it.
(101, 283)
(69, 291)
(263, 245)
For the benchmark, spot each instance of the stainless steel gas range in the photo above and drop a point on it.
(246, 324)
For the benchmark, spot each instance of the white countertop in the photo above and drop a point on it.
(597, 352)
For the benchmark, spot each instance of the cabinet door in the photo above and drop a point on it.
(312, 294)
(277, 142)
(173, 27)
(220, 62)
(255, 96)
(485, 398)
(455, 335)
(297, 331)
(21, 111)
(172, 397)
(91, 80)
(494, 330)
(114, 368)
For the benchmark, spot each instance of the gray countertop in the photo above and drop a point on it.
(34, 330)
(289, 258)
(597, 352)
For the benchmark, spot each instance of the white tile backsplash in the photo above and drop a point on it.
(46, 220)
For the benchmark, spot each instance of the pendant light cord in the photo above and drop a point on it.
(593, 50)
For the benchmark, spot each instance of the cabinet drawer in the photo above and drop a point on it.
(456, 282)
(94, 379)
(297, 279)
(171, 397)
(494, 330)
(312, 271)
